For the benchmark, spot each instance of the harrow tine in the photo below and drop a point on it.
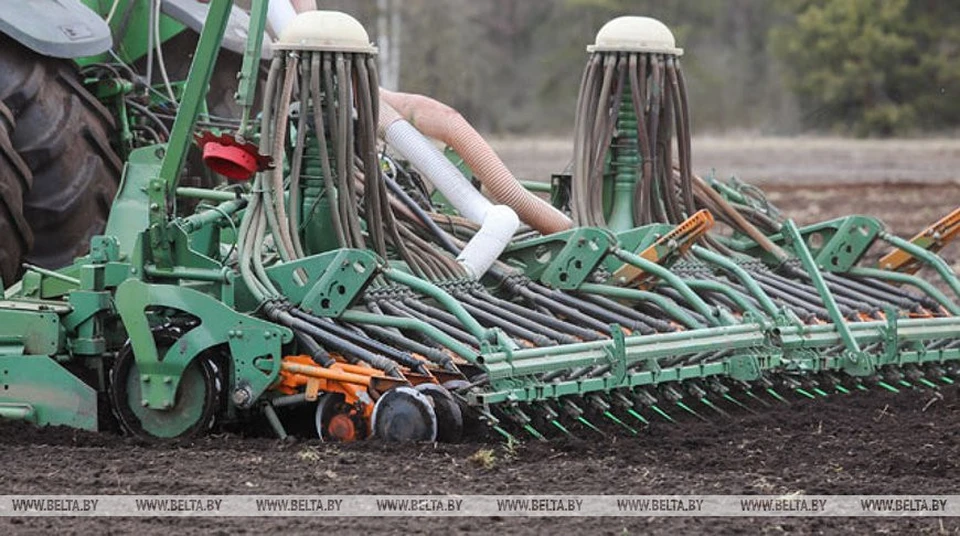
(821, 392)
(691, 411)
(946, 380)
(928, 383)
(714, 407)
(617, 420)
(805, 393)
(755, 397)
(637, 416)
(888, 387)
(842, 389)
(738, 403)
(663, 413)
(776, 395)
(533, 431)
(506, 435)
(561, 427)
(590, 425)
(905, 383)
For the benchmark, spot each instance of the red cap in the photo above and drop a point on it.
(231, 161)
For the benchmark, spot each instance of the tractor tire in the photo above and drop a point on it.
(15, 179)
(63, 135)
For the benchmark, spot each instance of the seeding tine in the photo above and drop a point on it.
(724, 392)
(836, 384)
(533, 431)
(663, 414)
(637, 416)
(790, 382)
(755, 397)
(776, 395)
(604, 407)
(730, 398)
(506, 435)
(811, 385)
(700, 394)
(677, 398)
(711, 405)
(561, 427)
(615, 419)
(589, 424)
(894, 377)
(551, 416)
(888, 387)
(917, 375)
(524, 420)
(577, 413)
(691, 411)
(928, 383)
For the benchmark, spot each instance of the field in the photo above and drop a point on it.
(875, 442)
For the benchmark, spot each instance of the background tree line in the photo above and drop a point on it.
(780, 67)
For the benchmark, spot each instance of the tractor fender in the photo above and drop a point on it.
(192, 13)
(56, 28)
(69, 29)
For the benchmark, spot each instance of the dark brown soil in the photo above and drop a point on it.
(874, 442)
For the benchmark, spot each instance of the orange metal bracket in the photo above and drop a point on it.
(932, 239)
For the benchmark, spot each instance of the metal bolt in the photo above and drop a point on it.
(145, 378)
(144, 402)
(241, 396)
(167, 380)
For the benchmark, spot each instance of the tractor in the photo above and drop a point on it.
(342, 264)
(81, 85)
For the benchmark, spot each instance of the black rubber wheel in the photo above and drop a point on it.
(16, 238)
(63, 134)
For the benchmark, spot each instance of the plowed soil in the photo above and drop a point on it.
(874, 443)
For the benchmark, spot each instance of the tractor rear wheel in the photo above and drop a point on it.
(63, 136)
(15, 179)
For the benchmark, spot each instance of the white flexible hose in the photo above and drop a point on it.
(438, 169)
(280, 13)
(498, 223)
(494, 236)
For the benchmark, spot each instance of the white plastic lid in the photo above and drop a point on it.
(635, 34)
(325, 30)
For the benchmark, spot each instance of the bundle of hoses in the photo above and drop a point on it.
(665, 192)
(655, 86)
(350, 83)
